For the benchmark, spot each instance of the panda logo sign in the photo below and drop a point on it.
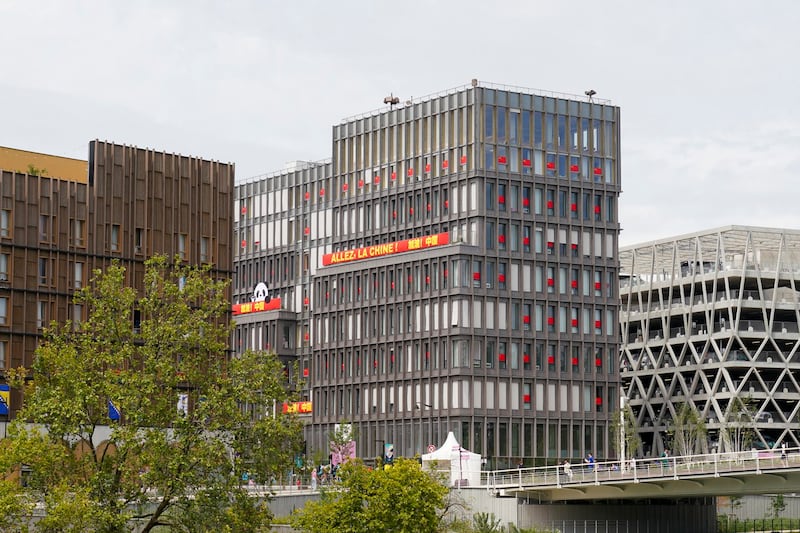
(261, 293)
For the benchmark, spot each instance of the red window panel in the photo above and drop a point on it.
(410, 172)
(551, 321)
(427, 167)
(360, 183)
(344, 187)
(574, 283)
(574, 322)
(551, 360)
(526, 202)
(573, 207)
(526, 319)
(501, 278)
(573, 168)
(502, 160)
(501, 239)
(394, 176)
(598, 401)
(551, 165)
(463, 160)
(526, 162)
(445, 163)
(526, 358)
(597, 285)
(476, 276)
(526, 398)
(377, 179)
(597, 324)
(307, 195)
(501, 199)
(551, 282)
(598, 362)
(598, 171)
(526, 241)
(502, 357)
(549, 204)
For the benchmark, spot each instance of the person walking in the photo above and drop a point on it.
(590, 461)
(567, 469)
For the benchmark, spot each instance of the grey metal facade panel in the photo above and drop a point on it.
(61, 231)
(711, 319)
(406, 170)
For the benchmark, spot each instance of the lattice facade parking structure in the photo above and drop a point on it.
(710, 319)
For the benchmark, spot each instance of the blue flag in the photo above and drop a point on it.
(5, 399)
(113, 413)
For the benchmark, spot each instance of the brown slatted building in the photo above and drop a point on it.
(62, 218)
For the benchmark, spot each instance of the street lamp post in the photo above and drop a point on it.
(422, 407)
(622, 433)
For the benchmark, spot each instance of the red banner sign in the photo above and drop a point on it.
(389, 248)
(299, 408)
(256, 307)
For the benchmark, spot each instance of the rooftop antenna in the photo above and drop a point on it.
(392, 100)
(590, 93)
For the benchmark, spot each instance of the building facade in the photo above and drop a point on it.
(452, 267)
(60, 219)
(710, 320)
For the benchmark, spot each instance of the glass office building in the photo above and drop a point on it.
(452, 267)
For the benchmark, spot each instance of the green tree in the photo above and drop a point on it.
(487, 523)
(33, 170)
(399, 498)
(180, 434)
(778, 505)
(738, 430)
(633, 442)
(342, 441)
(687, 430)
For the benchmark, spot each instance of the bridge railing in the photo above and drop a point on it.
(638, 469)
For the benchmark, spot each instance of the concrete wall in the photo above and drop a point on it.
(758, 506)
(285, 503)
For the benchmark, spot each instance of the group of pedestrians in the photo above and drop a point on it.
(567, 466)
(323, 475)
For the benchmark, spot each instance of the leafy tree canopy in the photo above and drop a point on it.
(397, 498)
(139, 412)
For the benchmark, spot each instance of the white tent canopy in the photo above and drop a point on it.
(463, 466)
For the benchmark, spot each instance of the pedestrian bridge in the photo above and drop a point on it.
(723, 474)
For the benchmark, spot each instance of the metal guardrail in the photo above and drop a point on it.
(636, 470)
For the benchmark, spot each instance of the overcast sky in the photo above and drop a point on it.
(710, 118)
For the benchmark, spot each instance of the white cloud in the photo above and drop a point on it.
(684, 184)
(709, 123)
